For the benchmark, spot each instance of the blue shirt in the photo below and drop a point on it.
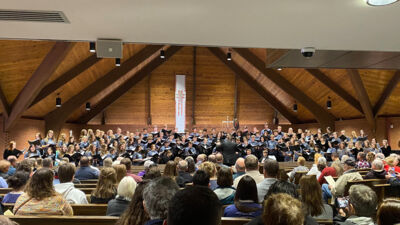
(3, 183)
(232, 211)
(154, 222)
(11, 171)
(86, 173)
(10, 198)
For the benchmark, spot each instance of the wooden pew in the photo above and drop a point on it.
(79, 210)
(85, 186)
(64, 220)
(94, 181)
(234, 220)
(369, 182)
(85, 190)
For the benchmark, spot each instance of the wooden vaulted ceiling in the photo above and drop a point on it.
(20, 59)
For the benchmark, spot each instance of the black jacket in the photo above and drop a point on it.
(117, 206)
(373, 174)
(228, 149)
(183, 178)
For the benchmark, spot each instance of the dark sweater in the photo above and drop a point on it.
(374, 174)
(117, 206)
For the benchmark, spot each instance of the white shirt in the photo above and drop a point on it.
(70, 193)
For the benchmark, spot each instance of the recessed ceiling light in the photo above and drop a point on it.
(380, 2)
(279, 68)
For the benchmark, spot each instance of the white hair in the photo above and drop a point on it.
(126, 188)
(380, 156)
(378, 164)
(322, 160)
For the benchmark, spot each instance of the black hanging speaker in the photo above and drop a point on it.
(58, 102)
(87, 106)
(329, 103)
(295, 107)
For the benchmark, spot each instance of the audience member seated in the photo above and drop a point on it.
(156, 197)
(126, 189)
(17, 182)
(120, 169)
(107, 162)
(335, 170)
(240, 168)
(85, 172)
(135, 213)
(287, 188)
(251, 165)
(4, 167)
(146, 165)
(311, 196)
(195, 206)
(391, 164)
(246, 200)
(191, 164)
(13, 164)
(377, 171)
(220, 160)
(128, 164)
(105, 188)
(350, 174)
(319, 165)
(211, 170)
(170, 170)
(48, 163)
(153, 173)
(40, 197)
(225, 192)
(362, 206)
(66, 188)
(301, 161)
(26, 166)
(201, 178)
(361, 161)
(183, 176)
(271, 169)
(282, 209)
(388, 212)
(200, 159)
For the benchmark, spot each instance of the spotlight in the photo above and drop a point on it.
(279, 69)
(87, 106)
(92, 47)
(58, 101)
(162, 54)
(117, 62)
(229, 56)
(329, 103)
(295, 107)
(380, 2)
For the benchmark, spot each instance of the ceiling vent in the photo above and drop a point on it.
(33, 16)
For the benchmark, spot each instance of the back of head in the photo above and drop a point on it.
(194, 205)
(107, 162)
(157, 195)
(212, 159)
(191, 164)
(84, 162)
(105, 187)
(246, 189)
(224, 177)
(47, 163)
(127, 162)
(24, 165)
(239, 165)
(182, 165)
(282, 209)
(301, 161)
(39, 162)
(377, 164)
(363, 199)
(154, 172)
(388, 212)
(12, 159)
(282, 187)
(251, 163)
(126, 188)
(209, 168)
(18, 180)
(170, 169)
(4, 166)
(120, 169)
(201, 178)
(219, 158)
(40, 185)
(66, 172)
(271, 168)
(311, 195)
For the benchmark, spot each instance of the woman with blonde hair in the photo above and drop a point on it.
(282, 209)
(126, 189)
(40, 197)
(105, 188)
(211, 170)
(388, 212)
(120, 169)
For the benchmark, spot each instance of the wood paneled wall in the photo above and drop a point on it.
(214, 100)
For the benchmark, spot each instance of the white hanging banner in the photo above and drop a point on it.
(180, 103)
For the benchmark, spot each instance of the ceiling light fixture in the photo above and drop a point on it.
(92, 47)
(162, 54)
(58, 101)
(87, 106)
(380, 2)
(229, 56)
(279, 69)
(295, 107)
(329, 103)
(117, 62)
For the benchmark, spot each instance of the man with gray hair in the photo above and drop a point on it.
(271, 170)
(156, 197)
(251, 165)
(377, 171)
(184, 176)
(362, 205)
(239, 167)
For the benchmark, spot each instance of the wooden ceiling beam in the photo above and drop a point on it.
(66, 77)
(38, 79)
(362, 97)
(328, 82)
(56, 118)
(127, 85)
(323, 117)
(262, 91)
(4, 104)
(386, 93)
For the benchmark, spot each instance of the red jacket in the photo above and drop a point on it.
(328, 171)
